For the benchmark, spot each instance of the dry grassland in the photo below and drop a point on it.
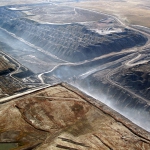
(134, 12)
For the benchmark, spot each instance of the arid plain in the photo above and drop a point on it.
(129, 11)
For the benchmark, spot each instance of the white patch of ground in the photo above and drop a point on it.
(108, 31)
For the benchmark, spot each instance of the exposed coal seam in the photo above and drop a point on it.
(103, 142)
(110, 111)
(129, 91)
(73, 142)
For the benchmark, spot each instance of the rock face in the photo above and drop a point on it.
(136, 79)
(5, 66)
(62, 117)
(8, 84)
(70, 42)
(121, 100)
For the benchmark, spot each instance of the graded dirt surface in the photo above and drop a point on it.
(55, 14)
(135, 12)
(62, 117)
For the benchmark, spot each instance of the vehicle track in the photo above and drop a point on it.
(121, 87)
(15, 62)
(130, 61)
(80, 63)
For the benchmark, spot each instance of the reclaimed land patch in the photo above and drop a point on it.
(36, 122)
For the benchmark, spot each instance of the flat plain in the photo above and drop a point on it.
(136, 12)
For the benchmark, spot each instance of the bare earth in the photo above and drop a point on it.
(62, 117)
(135, 12)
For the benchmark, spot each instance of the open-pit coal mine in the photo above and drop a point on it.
(49, 53)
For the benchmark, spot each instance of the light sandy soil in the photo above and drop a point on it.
(62, 117)
(136, 12)
(129, 11)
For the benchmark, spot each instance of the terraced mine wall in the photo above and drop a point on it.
(73, 43)
(70, 42)
(117, 98)
(137, 79)
(64, 72)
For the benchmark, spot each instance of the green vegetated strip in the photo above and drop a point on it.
(8, 146)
